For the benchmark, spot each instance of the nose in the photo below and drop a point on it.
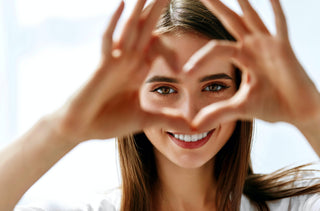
(189, 108)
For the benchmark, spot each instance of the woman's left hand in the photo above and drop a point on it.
(274, 85)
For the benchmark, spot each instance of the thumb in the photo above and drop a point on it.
(232, 109)
(168, 118)
(213, 49)
(217, 113)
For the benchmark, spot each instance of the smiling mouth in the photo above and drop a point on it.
(190, 138)
(189, 141)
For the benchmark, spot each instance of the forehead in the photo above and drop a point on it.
(185, 45)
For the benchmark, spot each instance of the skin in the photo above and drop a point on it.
(186, 175)
(275, 87)
(188, 96)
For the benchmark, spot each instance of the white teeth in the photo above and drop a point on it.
(187, 138)
(194, 138)
(190, 138)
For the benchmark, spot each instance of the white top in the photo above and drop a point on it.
(111, 202)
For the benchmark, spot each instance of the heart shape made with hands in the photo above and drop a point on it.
(210, 112)
(274, 86)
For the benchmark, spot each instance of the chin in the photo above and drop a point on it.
(193, 161)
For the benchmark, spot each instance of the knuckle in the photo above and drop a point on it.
(240, 107)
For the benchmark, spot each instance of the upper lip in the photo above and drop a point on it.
(188, 133)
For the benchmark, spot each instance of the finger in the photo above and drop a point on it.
(147, 9)
(217, 113)
(108, 34)
(214, 49)
(150, 22)
(280, 19)
(167, 117)
(231, 20)
(251, 17)
(129, 33)
(159, 48)
(234, 108)
(85, 93)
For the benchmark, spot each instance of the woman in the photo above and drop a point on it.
(190, 130)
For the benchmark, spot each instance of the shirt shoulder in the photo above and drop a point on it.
(109, 201)
(310, 202)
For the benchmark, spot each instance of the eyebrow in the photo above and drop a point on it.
(173, 80)
(215, 76)
(162, 79)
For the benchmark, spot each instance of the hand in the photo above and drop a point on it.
(274, 85)
(108, 104)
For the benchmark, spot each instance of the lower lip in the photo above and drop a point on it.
(192, 145)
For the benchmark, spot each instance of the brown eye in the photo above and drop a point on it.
(215, 88)
(164, 90)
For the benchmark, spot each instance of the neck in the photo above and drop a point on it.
(184, 188)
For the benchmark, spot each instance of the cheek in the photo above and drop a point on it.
(227, 130)
(223, 134)
(206, 99)
(148, 101)
(154, 134)
(159, 140)
(153, 102)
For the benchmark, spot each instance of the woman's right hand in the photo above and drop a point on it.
(108, 104)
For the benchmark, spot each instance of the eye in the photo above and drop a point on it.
(215, 87)
(164, 90)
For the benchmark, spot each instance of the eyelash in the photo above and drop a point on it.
(157, 90)
(221, 88)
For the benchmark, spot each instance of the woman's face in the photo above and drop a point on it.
(188, 94)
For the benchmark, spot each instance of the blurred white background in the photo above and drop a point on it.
(49, 48)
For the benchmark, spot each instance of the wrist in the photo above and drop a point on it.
(311, 117)
(310, 127)
(51, 124)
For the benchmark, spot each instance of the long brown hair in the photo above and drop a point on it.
(232, 168)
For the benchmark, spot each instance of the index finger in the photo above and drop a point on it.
(151, 20)
(281, 23)
(108, 34)
(129, 33)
